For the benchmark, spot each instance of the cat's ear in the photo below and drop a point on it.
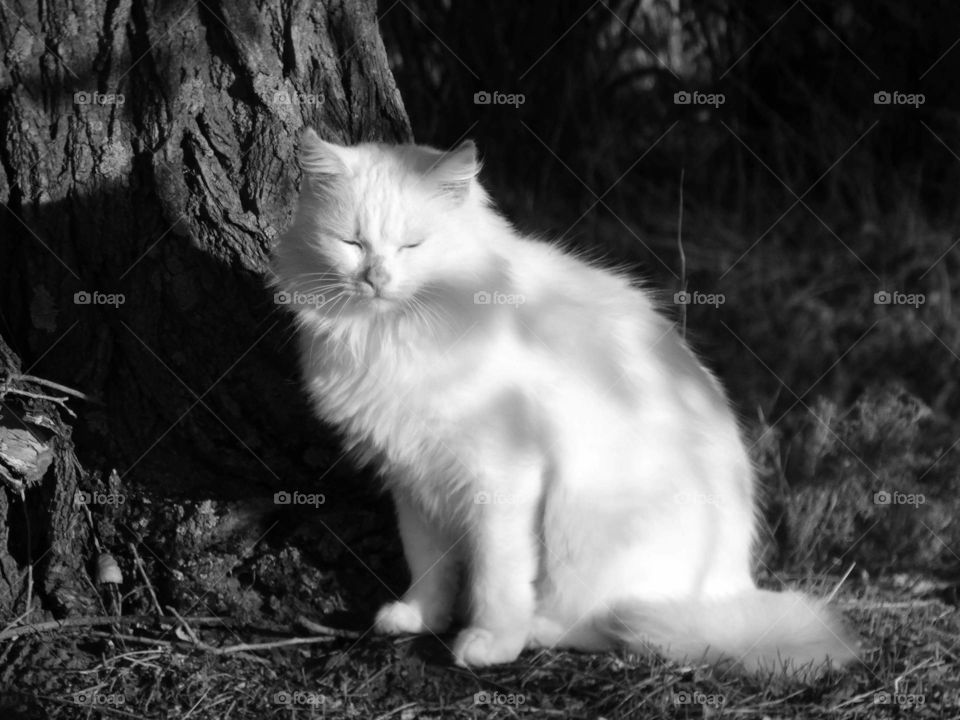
(455, 170)
(323, 162)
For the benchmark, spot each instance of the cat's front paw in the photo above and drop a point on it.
(406, 618)
(399, 618)
(478, 647)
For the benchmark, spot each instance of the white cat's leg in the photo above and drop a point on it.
(504, 561)
(427, 605)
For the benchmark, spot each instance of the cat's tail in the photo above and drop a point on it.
(762, 631)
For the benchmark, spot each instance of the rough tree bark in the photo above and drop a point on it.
(147, 168)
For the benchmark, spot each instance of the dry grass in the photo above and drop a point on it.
(909, 668)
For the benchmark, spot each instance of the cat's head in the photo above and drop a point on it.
(381, 228)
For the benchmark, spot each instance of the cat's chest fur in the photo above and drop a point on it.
(409, 407)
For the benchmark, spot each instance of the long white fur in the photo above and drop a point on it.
(564, 444)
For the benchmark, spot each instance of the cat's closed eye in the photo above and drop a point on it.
(351, 241)
(410, 246)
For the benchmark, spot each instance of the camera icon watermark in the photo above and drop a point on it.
(685, 97)
(487, 697)
(283, 97)
(83, 297)
(298, 697)
(89, 697)
(884, 97)
(82, 497)
(686, 297)
(483, 297)
(494, 498)
(298, 498)
(886, 497)
(298, 299)
(98, 98)
(695, 697)
(899, 698)
(499, 98)
(884, 297)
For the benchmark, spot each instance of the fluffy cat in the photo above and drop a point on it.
(536, 421)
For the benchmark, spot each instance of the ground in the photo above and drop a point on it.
(909, 669)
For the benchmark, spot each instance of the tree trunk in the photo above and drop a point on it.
(147, 155)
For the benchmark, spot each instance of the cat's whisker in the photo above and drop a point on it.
(331, 302)
(346, 303)
(427, 316)
(324, 273)
(413, 310)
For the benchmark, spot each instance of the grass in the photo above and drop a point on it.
(909, 669)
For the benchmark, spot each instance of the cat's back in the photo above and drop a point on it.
(597, 325)
(576, 307)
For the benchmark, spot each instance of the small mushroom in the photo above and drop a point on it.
(107, 570)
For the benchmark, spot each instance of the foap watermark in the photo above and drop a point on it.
(298, 298)
(98, 98)
(885, 497)
(697, 498)
(494, 498)
(83, 297)
(282, 97)
(902, 699)
(695, 697)
(895, 97)
(686, 297)
(685, 97)
(82, 497)
(885, 297)
(499, 98)
(498, 298)
(298, 498)
(89, 697)
(299, 697)
(487, 697)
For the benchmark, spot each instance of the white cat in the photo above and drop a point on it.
(536, 420)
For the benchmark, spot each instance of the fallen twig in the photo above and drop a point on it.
(185, 625)
(318, 629)
(61, 401)
(26, 525)
(138, 562)
(245, 647)
(81, 622)
(16, 621)
(177, 645)
(51, 384)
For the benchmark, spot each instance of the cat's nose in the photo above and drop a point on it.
(376, 276)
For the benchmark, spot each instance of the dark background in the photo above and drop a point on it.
(877, 183)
